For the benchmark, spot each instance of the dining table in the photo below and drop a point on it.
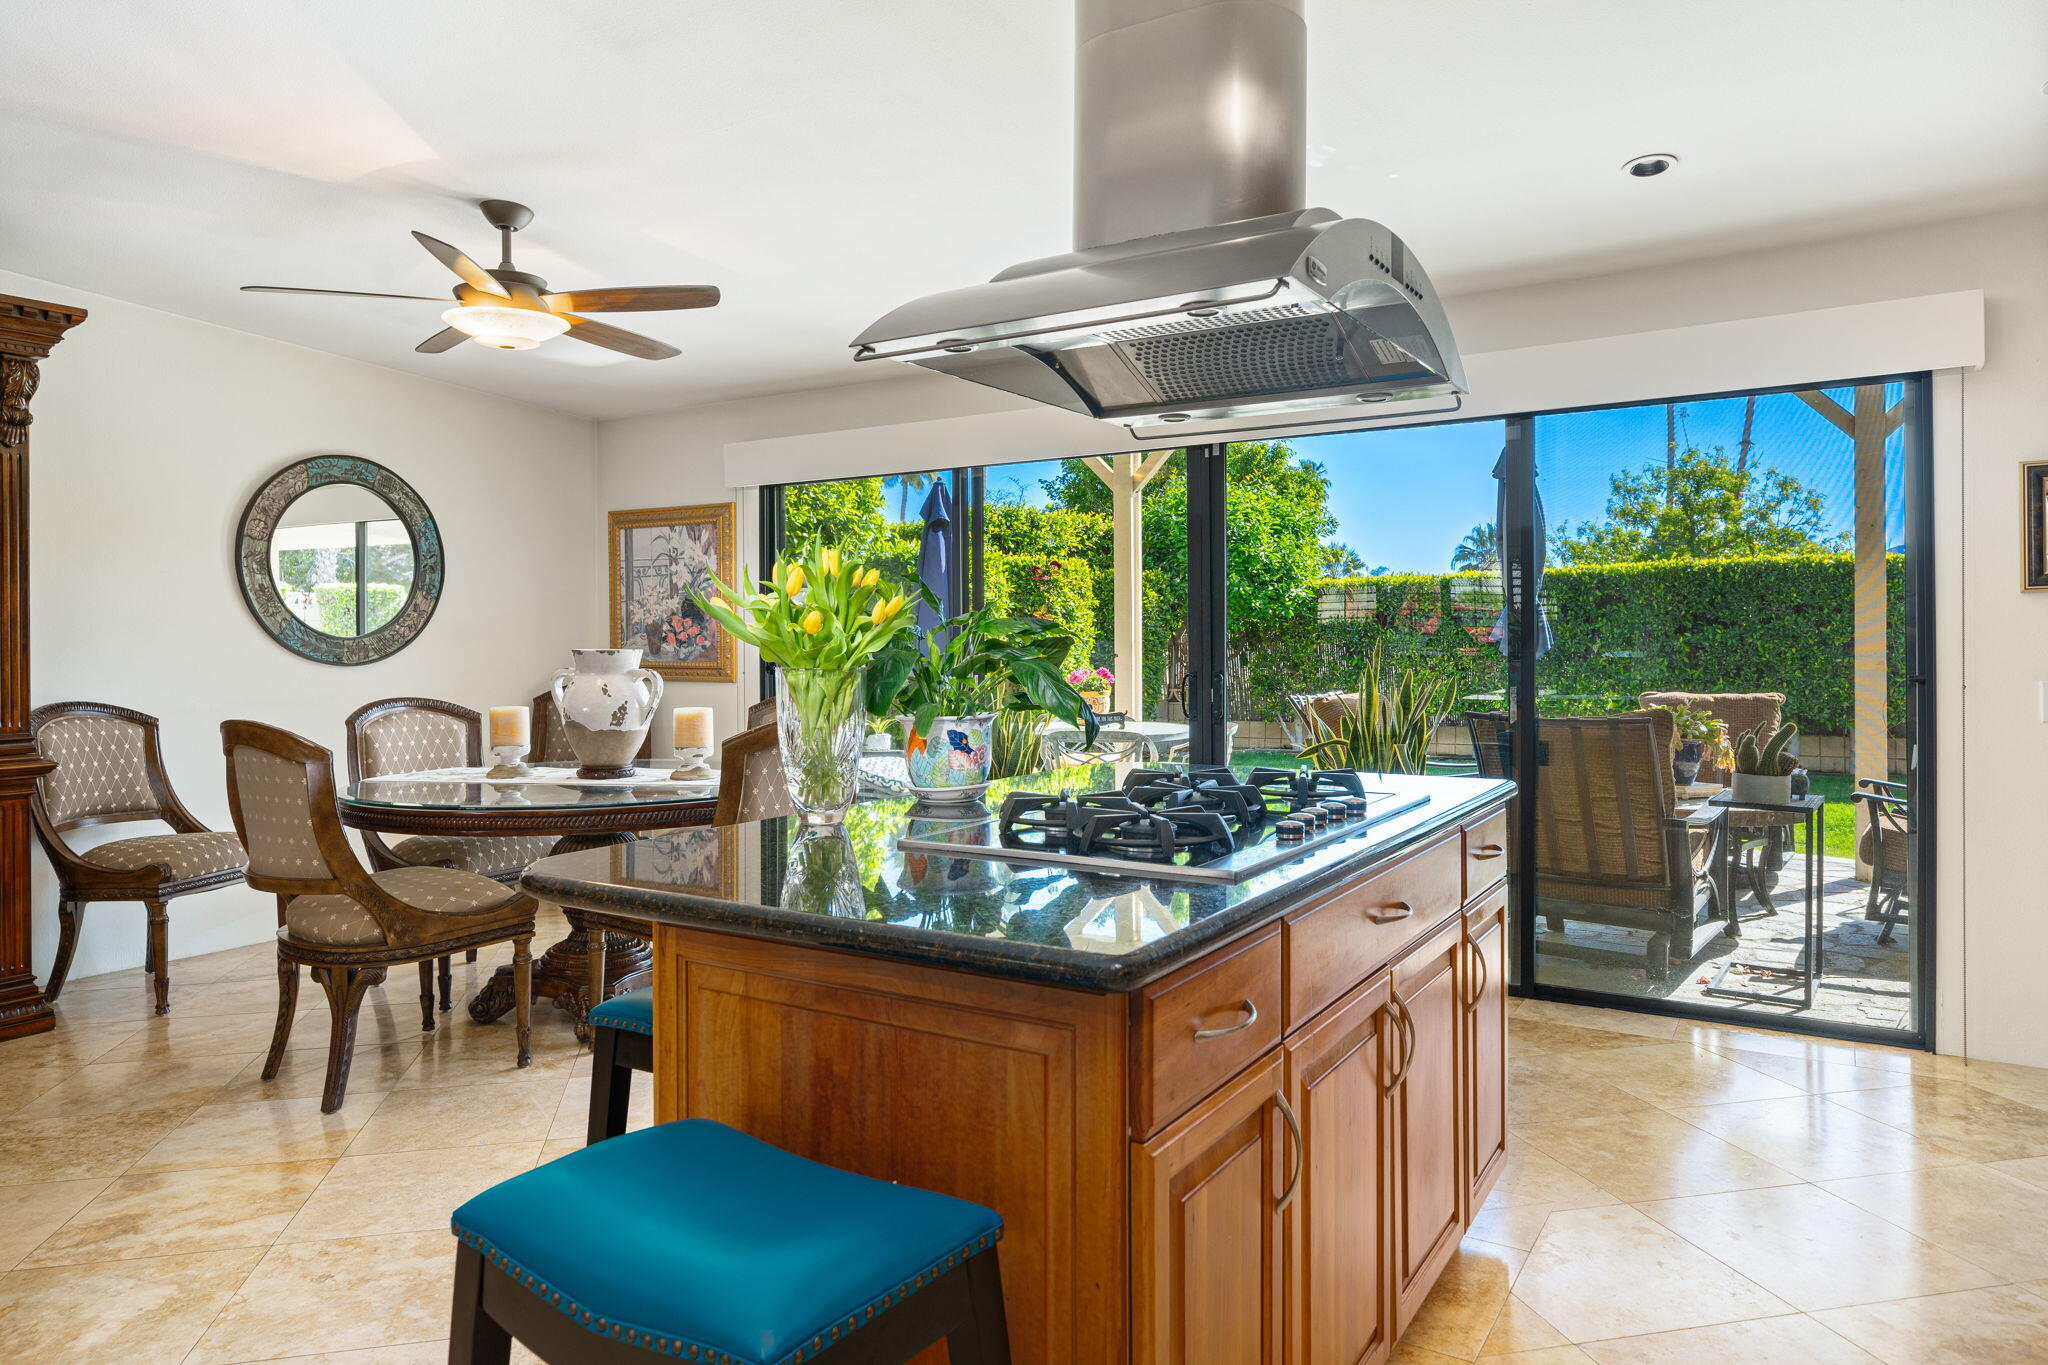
(549, 800)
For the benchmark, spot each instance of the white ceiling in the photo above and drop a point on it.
(821, 161)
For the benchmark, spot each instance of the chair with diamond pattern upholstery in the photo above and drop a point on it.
(110, 769)
(551, 737)
(344, 922)
(416, 734)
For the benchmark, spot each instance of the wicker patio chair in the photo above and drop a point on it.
(1611, 847)
(1761, 838)
(1886, 844)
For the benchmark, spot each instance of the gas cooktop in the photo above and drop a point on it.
(1193, 823)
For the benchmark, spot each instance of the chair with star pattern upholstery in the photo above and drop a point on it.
(344, 922)
(110, 769)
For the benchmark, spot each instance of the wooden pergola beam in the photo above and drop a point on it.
(1868, 427)
(1126, 477)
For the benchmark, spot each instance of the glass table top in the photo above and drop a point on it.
(477, 793)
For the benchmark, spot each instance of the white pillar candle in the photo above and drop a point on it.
(692, 728)
(511, 726)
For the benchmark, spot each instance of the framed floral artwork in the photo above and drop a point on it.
(662, 561)
(2034, 526)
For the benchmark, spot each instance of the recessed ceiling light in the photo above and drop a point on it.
(1649, 164)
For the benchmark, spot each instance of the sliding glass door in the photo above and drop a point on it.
(1616, 608)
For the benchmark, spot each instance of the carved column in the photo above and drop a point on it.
(28, 330)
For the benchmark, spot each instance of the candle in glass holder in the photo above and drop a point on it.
(692, 741)
(511, 726)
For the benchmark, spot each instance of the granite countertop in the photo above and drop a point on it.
(1053, 925)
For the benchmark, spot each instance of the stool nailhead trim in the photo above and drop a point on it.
(689, 1350)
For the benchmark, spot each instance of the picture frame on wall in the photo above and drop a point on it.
(662, 560)
(2034, 526)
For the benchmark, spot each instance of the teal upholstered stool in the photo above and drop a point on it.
(692, 1241)
(621, 1042)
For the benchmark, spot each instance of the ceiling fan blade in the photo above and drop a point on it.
(445, 339)
(618, 339)
(344, 293)
(473, 275)
(635, 298)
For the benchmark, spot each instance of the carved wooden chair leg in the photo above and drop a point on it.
(611, 1088)
(287, 1007)
(469, 956)
(160, 953)
(447, 984)
(474, 1337)
(983, 1336)
(522, 996)
(345, 987)
(427, 995)
(69, 915)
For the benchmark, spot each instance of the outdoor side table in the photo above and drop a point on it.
(1805, 973)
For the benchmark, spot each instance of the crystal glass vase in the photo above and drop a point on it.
(821, 725)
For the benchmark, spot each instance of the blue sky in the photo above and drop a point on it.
(1405, 496)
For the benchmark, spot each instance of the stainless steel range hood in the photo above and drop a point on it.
(1199, 289)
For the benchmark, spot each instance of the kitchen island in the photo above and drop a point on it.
(1223, 1122)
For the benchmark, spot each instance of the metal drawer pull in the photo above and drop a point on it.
(1251, 1016)
(1488, 851)
(1300, 1151)
(1398, 909)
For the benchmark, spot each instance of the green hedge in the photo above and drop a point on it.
(1776, 623)
(336, 603)
(1061, 591)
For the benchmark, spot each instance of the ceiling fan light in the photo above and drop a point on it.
(505, 329)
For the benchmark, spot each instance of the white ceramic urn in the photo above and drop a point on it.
(606, 702)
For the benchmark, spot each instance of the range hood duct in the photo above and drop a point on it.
(1199, 289)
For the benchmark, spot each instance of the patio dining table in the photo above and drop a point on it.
(1157, 736)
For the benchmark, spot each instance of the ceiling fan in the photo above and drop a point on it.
(510, 310)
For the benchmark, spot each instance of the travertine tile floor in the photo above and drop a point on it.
(1677, 1193)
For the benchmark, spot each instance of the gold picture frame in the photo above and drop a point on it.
(661, 557)
(700, 860)
(2034, 526)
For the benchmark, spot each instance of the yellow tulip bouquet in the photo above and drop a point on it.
(819, 618)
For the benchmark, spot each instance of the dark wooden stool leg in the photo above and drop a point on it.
(427, 995)
(469, 956)
(984, 1337)
(447, 983)
(474, 1337)
(160, 953)
(611, 1087)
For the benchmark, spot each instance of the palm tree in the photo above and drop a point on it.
(1480, 549)
(906, 484)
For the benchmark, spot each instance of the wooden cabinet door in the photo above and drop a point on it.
(1337, 1073)
(1427, 1095)
(1483, 991)
(1207, 1256)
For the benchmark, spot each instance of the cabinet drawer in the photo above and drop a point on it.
(1338, 942)
(1203, 1025)
(1486, 853)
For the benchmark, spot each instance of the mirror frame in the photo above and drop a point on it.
(258, 527)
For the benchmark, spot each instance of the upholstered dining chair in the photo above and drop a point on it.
(551, 737)
(344, 922)
(110, 769)
(750, 785)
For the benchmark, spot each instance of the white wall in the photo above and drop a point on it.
(151, 431)
(1993, 645)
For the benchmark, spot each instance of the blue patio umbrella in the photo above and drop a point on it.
(1540, 646)
(934, 565)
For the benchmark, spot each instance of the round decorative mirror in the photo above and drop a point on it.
(339, 560)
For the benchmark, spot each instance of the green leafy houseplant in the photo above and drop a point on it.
(1389, 723)
(819, 617)
(1695, 733)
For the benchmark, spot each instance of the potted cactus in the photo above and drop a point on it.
(1764, 763)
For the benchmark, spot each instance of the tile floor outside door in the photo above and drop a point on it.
(1677, 1193)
